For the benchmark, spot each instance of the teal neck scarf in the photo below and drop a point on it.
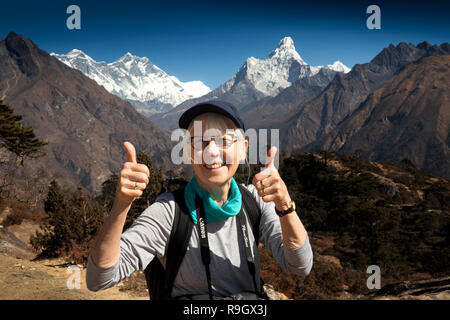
(213, 212)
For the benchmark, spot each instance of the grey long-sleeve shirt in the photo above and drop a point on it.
(148, 237)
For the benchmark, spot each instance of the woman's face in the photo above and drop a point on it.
(228, 158)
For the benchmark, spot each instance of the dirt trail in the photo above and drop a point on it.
(22, 279)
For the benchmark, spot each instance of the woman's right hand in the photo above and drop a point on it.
(133, 178)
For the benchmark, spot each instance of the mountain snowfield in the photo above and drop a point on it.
(339, 67)
(280, 70)
(152, 91)
(134, 78)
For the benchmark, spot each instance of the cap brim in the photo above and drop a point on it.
(193, 112)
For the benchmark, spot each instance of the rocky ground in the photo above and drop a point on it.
(24, 278)
(21, 279)
(434, 289)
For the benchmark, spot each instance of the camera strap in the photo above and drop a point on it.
(205, 252)
(204, 245)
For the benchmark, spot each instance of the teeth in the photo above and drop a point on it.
(214, 166)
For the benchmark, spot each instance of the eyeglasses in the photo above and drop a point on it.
(223, 142)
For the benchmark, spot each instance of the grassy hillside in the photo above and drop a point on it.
(357, 213)
(361, 213)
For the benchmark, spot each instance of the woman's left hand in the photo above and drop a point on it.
(269, 184)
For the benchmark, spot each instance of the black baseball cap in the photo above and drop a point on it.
(221, 107)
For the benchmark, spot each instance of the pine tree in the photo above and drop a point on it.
(16, 144)
(16, 138)
(72, 222)
(54, 232)
(87, 217)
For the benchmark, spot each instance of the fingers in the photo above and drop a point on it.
(268, 185)
(140, 171)
(134, 180)
(134, 176)
(131, 193)
(271, 193)
(267, 172)
(131, 152)
(133, 185)
(270, 197)
(132, 189)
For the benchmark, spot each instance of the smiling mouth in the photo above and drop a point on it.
(214, 166)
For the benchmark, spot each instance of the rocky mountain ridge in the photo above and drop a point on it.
(408, 117)
(136, 80)
(345, 92)
(255, 80)
(83, 123)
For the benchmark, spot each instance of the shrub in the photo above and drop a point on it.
(12, 219)
(72, 221)
(403, 234)
(20, 212)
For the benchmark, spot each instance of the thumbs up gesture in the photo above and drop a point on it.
(269, 184)
(133, 178)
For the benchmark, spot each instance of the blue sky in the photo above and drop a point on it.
(210, 40)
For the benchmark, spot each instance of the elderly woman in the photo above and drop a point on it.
(215, 153)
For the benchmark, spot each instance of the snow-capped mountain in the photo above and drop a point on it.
(136, 79)
(280, 70)
(256, 79)
(154, 92)
(339, 67)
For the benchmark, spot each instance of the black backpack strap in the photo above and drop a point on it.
(159, 280)
(154, 275)
(253, 210)
(179, 241)
(254, 214)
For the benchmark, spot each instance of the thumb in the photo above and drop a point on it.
(271, 157)
(131, 151)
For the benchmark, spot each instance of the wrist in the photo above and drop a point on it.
(284, 204)
(286, 209)
(121, 205)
